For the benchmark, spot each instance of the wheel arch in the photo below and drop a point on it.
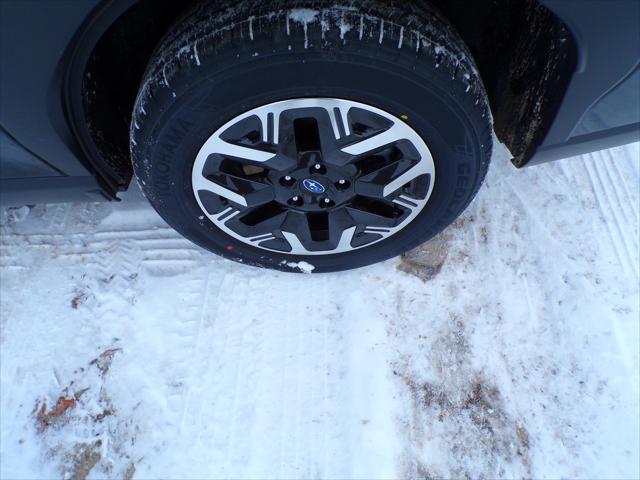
(98, 94)
(523, 51)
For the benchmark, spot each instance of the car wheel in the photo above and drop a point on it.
(310, 139)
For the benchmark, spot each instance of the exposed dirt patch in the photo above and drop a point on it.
(104, 360)
(46, 417)
(426, 261)
(82, 430)
(82, 293)
(81, 461)
(129, 472)
(482, 406)
(423, 473)
(461, 412)
(79, 297)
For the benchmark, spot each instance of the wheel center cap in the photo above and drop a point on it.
(313, 186)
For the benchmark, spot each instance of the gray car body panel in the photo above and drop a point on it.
(607, 78)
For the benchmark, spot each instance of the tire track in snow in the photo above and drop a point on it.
(291, 394)
(526, 210)
(615, 177)
(331, 430)
(282, 464)
(58, 220)
(241, 396)
(105, 294)
(325, 371)
(163, 254)
(201, 360)
(608, 210)
(190, 331)
(113, 273)
(317, 465)
(632, 203)
(309, 396)
(52, 239)
(603, 168)
(298, 385)
(221, 384)
(612, 237)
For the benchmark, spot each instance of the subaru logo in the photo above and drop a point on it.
(313, 186)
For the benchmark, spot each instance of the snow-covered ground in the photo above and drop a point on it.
(127, 352)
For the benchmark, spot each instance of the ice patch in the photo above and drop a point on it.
(304, 16)
(344, 27)
(164, 76)
(195, 54)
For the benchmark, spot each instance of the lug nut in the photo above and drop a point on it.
(318, 168)
(326, 202)
(287, 181)
(342, 184)
(295, 200)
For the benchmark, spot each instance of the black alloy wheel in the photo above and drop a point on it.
(313, 176)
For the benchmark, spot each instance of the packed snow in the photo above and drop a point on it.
(128, 352)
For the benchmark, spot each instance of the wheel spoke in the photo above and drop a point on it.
(239, 190)
(262, 219)
(407, 202)
(201, 183)
(344, 244)
(374, 213)
(405, 178)
(375, 142)
(216, 145)
(340, 120)
(374, 184)
(384, 182)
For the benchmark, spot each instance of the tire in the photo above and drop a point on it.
(374, 65)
